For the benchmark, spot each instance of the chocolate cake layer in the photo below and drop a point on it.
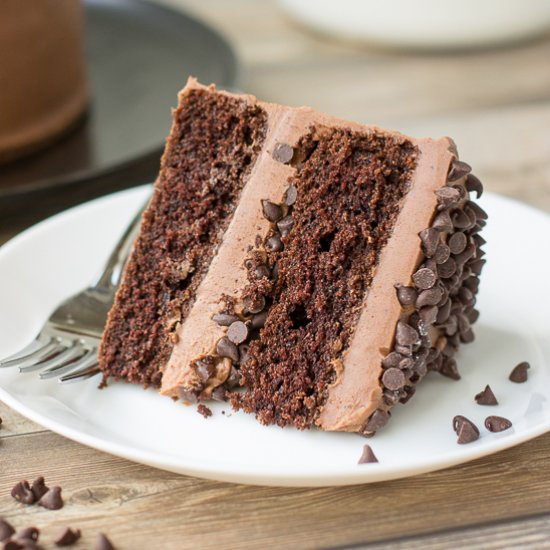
(340, 266)
(349, 188)
(212, 146)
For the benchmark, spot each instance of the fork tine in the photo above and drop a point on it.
(30, 364)
(80, 375)
(62, 362)
(24, 353)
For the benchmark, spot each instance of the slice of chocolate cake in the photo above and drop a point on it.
(324, 266)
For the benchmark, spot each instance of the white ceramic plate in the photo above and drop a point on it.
(57, 257)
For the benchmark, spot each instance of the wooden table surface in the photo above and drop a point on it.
(496, 104)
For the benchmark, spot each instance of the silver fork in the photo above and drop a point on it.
(68, 343)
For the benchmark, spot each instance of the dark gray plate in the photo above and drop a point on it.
(139, 56)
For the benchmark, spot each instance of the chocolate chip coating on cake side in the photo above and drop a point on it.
(439, 301)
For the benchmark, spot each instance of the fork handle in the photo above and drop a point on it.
(109, 278)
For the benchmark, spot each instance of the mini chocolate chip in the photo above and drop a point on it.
(479, 240)
(430, 297)
(479, 212)
(6, 530)
(285, 225)
(473, 184)
(190, 395)
(405, 294)
(254, 304)
(447, 197)
(52, 500)
(463, 322)
(262, 271)
(405, 335)
(291, 195)
(486, 397)
(226, 348)
(466, 430)
(12, 545)
(103, 543)
(205, 369)
(430, 240)
(465, 296)
(393, 379)
(449, 368)
(473, 315)
(258, 320)
(404, 350)
(238, 332)
(367, 457)
(476, 266)
(272, 212)
(460, 219)
(23, 493)
(274, 243)
(457, 242)
(424, 278)
(442, 253)
(390, 399)
(219, 394)
(471, 215)
(378, 419)
(67, 537)
(406, 363)
(243, 353)
(233, 380)
(458, 170)
(450, 326)
(39, 488)
(472, 283)
(420, 367)
(283, 153)
(28, 533)
(519, 372)
(466, 254)
(447, 269)
(428, 315)
(224, 319)
(443, 222)
(497, 423)
(392, 359)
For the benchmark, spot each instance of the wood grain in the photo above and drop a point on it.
(133, 503)
(496, 104)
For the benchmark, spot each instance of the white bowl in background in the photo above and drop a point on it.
(424, 24)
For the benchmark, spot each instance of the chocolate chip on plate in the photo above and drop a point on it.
(283, 153)
(52, 500)
(6, 530)
(204, 410)
(519, 372)
(22, 492)
(466, 430)
(103, 543)
(497, 423)
(67, 537)
(368, 456)
(486, 397)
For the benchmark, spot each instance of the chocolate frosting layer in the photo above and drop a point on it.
(356, 392)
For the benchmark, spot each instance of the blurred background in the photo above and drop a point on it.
(478, 71)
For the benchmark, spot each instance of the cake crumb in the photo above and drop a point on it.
(204, 410)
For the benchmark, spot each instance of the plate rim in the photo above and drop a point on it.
(350, 473)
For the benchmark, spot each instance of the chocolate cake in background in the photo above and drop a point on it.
(43, 87)
(308, 269)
